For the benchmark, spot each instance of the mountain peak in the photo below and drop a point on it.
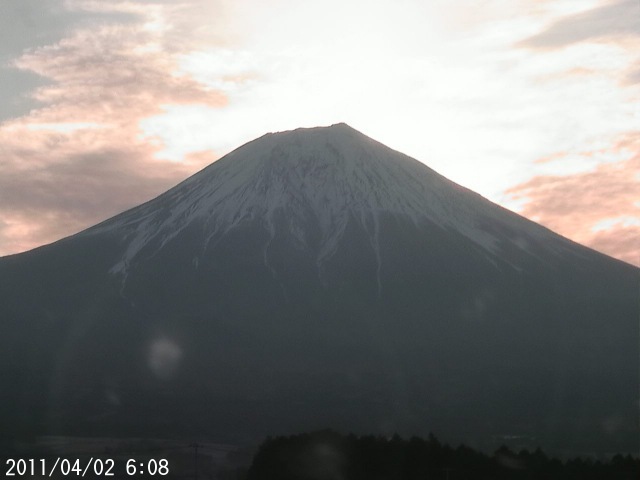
(321, 180)
(318, 278)
(342, 127)
(334, 127)
(325, 175)
(336, 132)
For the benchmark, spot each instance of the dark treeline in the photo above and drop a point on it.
(329, 455)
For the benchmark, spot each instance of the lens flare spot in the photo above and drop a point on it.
(164, 358)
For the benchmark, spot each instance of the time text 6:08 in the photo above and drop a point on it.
(94, 466)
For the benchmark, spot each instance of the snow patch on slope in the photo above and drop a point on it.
(325, 176)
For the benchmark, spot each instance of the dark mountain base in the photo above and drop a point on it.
(317, 279)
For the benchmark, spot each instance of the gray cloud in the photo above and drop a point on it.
(15, 86)
(26, 24)
(30, 23)
(618, 19)
(632, 76)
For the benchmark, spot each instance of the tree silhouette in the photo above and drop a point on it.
(328, 455)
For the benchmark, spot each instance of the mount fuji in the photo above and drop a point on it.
(317, 279)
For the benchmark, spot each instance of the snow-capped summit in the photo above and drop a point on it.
(319, 179)
(317, 279)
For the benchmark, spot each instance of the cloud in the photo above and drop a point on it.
(81, 156)
(117, 73)
(587, 187)
(599, 208)
(28, 24)
(128, 90)
(619, 242)
(632, 76)
(54, 184)
(614, 20)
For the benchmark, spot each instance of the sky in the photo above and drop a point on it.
(531, 103)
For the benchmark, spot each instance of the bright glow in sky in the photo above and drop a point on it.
(531, 103)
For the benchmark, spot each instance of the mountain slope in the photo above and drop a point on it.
(316, 278)
(319, 176)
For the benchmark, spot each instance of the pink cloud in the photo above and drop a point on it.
(58, 178)
(575, 205)
(104, 74)
(53, 185)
